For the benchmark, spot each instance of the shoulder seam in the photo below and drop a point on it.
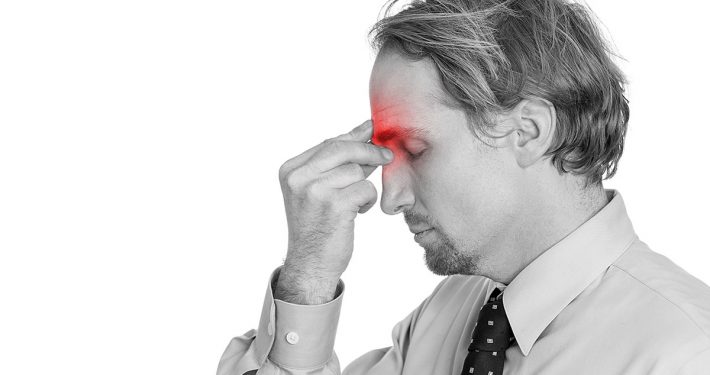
(706, 334)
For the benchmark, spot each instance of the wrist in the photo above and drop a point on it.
(302, 289)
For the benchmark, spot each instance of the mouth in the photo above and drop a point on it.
(418, 230)
(419, 235)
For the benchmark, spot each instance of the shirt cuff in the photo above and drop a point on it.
(297, 336)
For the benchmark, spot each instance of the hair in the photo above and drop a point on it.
(491, 54)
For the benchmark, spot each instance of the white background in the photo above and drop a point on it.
(140, 211)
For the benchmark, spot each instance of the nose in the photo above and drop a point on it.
(397, 194)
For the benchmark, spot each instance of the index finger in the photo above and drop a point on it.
(361, 133)
(340, 152)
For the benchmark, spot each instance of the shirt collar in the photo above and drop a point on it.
(550, 282)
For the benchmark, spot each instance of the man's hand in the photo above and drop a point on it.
(324, 189)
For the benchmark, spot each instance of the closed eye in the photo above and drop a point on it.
(415, 155)
(414, 147)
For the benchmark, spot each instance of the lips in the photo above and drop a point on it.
(420, 236)
(418, 230)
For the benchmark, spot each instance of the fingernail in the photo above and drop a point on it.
(387, 154)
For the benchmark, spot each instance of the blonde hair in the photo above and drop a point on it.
(492, 54)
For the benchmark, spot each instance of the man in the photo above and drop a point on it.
(495, 123)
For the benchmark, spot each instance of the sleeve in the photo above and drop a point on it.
(697, 365)
(291, 339)
(390, 360)
(298, 340)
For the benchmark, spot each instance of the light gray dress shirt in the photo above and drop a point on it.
(600, 301)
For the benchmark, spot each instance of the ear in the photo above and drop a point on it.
(533, 122)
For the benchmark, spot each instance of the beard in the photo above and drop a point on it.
(444, 255)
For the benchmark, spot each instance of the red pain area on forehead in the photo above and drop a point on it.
(384, 121)
(404, 142)
(391, 129)
(387, 133)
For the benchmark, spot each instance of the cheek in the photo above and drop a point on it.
(451, 189)
(443, 187)
(469, 193)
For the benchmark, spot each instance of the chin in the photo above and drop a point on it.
(444, 260)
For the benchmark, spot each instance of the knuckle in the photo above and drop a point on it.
(370, 188)
(366, 191)
(283, 172)
(361, 190)
(313, 192)
(355, 170)
(328, 142)
(333, 145)
(290, 180)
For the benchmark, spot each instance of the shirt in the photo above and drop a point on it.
(599, 301)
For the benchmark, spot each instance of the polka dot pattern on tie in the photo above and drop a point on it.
(491, 337)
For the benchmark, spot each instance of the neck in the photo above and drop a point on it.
(546, 216)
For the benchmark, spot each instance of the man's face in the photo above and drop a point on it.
(443, 178)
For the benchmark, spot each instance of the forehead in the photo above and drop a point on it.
(404, 93)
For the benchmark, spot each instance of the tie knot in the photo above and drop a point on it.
(495, 294)
(492, 332)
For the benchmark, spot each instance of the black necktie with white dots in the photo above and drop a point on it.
(491, 337)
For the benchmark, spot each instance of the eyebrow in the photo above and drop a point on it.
(394, 132)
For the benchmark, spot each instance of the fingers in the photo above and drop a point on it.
(367, 206)
(362, 132)
(324, 189)
(336, 171)
(337, 152)
(361, 195)
(343, 176)
(346, 174)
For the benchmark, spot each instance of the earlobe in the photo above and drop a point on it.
(535, 122)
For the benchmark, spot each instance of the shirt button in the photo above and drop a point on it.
(292, 338)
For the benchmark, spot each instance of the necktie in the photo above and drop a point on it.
(491, 337)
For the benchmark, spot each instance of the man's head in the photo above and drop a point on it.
(493, 108)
